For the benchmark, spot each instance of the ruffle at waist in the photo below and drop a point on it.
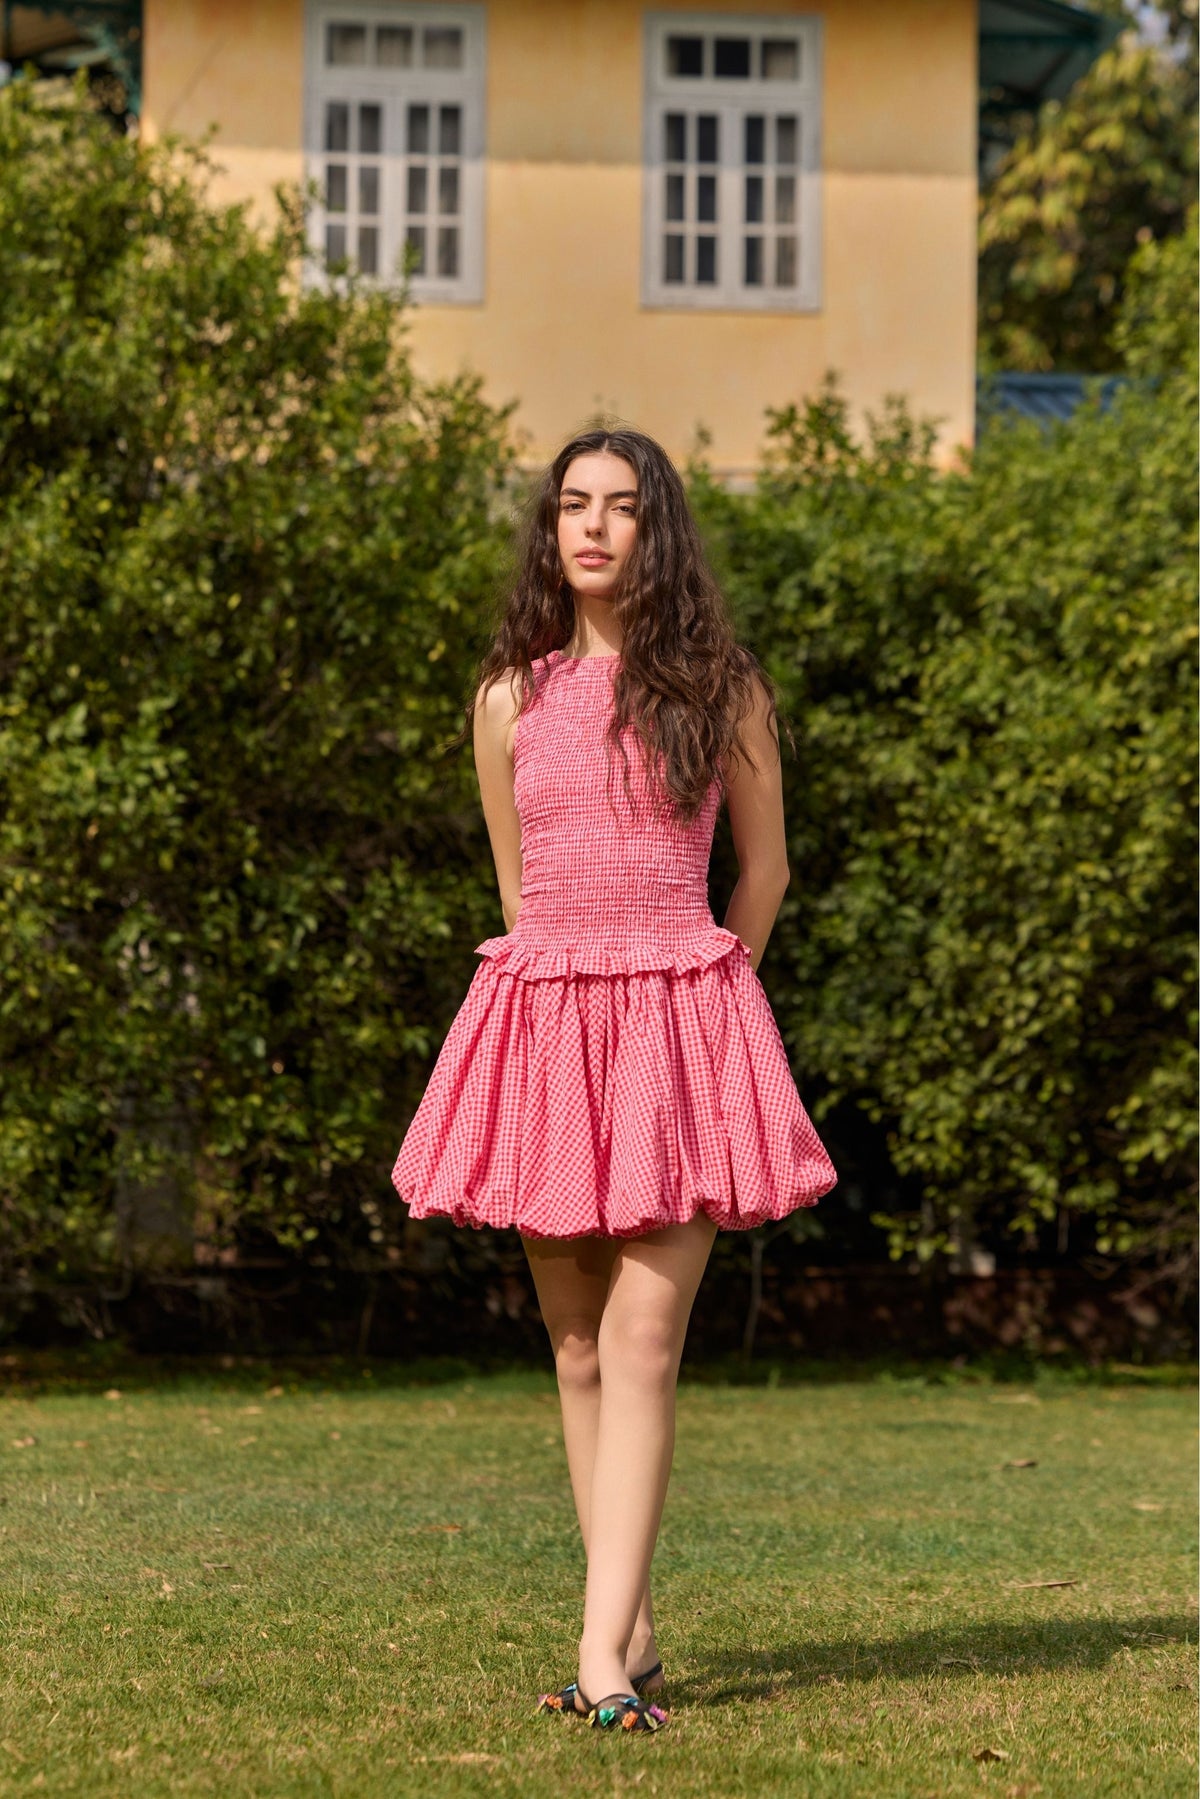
(529, 960)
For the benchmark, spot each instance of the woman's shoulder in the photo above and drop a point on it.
(504, 693)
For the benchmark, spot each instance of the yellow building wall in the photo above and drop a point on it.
(561, 328)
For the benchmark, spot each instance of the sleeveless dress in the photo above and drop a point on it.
(615, 1066)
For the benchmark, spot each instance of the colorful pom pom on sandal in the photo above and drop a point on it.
(562, 1702)
(625, 1711)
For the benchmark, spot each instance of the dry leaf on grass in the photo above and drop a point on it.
(1028, 1462)
(23, 1442)
(113, 1393)
(1146, 1505)
(1042, 1583)
(215, 1565)
(989, 1755)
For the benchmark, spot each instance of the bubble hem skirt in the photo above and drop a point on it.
(570, 1102)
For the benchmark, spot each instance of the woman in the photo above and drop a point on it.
(615, 1086)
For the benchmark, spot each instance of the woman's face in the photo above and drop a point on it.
(597, 522)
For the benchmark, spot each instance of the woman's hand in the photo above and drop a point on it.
(754, 796)
(495, 721)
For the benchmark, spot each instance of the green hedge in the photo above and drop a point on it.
(248, 563)
(990, 942)
(245, 556)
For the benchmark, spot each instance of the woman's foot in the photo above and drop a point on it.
(600, 1675)
(649, 1681)
(642, 1659)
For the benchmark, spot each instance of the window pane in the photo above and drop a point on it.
(754, 262)
(443, 47)
(785, 199)
(675, 149)
(449, 130)
(706, 259)
(673, 258)
(785, 140)
(448, 191)
(418, 130)
(335, 187)
(732, 58)
(418, 187)
(447, 250)
(754, 199)
(755, 137)
(785, 262)
(685, 56)
(368, 188)
(706, 137)
(675, 197)
(370, 130)
(335, 242)
(780, 59)
(706, 199)
(345, 44)
(414, 241)
(394, 46)
(337, 125)
(368, 249)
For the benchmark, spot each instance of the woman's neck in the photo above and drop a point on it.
(596, 632)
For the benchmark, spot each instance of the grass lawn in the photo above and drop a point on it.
(256, 1584)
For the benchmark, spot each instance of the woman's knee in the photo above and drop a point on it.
(641, 1345)
(577, 1355)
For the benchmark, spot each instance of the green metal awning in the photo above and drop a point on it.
(59, 38)
(1031, 51)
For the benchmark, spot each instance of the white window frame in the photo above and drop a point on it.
(394, 89)
(732, 99)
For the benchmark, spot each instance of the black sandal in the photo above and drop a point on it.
(563, 1702)
(624, 1711)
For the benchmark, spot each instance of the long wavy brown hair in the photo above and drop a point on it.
(684, 683)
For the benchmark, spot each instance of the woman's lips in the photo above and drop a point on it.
(593, 558)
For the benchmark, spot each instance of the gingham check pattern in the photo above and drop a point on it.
(615, 1065)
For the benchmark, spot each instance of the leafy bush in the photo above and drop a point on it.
(247, 560)
(244, 553)
(990, 941)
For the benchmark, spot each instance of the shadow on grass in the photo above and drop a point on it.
(985, 1648)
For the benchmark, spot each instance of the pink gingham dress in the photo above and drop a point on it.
(615, 1066)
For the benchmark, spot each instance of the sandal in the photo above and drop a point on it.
(625, 1711)
(563, 1702)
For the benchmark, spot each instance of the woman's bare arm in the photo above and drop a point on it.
(495, 722)
(754, 797)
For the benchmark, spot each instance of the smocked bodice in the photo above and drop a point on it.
(611, 881)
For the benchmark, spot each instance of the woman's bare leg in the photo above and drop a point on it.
(571, 1276)
(640, 1342)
